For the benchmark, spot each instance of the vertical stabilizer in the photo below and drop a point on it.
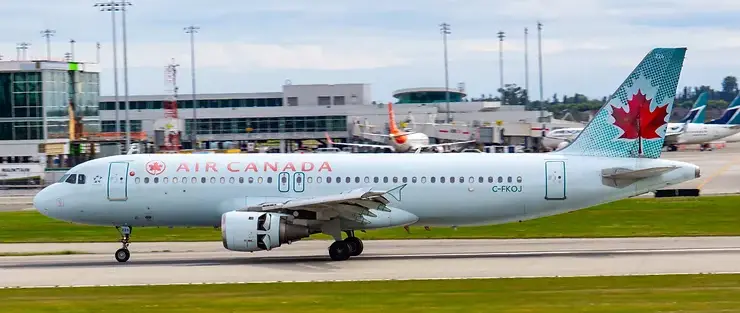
(392, 120)
(731, 115)
(697, 115)
(633, 121)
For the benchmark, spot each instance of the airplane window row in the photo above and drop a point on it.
(329, 180)
(73, 179)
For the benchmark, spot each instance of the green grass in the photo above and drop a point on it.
(637, 217)
(674, 293)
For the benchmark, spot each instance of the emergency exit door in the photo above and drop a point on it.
(555, 180)
(118, 181)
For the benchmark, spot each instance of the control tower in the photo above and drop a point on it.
(428, 95)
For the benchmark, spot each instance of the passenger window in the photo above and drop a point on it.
(222, 180)
(404, 179)
(202, 180)
(508, 179)
(490, 179)
(213, 180)
(241, 180)
(442, 179)
(518, 179)
(251, 180)
(298, 179)
(137, 180)
(357, 179)
(259, 180)
(284, 180)
(339, 180)
(424, 179)
(174, 180)
(194, 180)
(367, 179)
(433, 179)
(269, 180)
(72, 179)
(231, 180)
(165, 180)
(328, 179)
(319, 179)
(184, 180)
(500, 179)
(480, 179)
(156, 180)
(309, 179)
(81, 179)
(413, 179)
(385, 179)
(471, 180)
(348, 180)
(146, 180)
(452, 180)
(375, 179)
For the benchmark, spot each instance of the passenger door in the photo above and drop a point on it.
(118, 181)
(554, 180)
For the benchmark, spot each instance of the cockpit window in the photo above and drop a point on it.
(72, 179)
(64, 178)
(81, 179)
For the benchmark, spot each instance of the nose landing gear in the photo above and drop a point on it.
(122, 255)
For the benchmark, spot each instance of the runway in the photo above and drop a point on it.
(208, 262)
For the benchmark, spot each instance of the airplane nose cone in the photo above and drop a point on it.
(42, 202)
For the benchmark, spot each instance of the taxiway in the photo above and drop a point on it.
(208, 262)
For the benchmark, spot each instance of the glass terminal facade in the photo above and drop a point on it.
(429, 97)
(30, 99)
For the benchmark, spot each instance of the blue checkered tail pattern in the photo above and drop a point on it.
(633, 121)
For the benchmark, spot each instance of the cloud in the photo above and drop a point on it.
(588, 46)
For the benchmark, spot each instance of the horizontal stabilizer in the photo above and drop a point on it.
(622, 177)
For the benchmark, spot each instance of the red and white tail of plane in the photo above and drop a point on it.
(400, 141)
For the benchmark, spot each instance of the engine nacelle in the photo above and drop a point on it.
(255, 231)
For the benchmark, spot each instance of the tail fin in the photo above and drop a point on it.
(633, 121)
(392, 120)
(697, 114)
(731, 115)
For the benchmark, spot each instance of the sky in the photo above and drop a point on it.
(255, 46)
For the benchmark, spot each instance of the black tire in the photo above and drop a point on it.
(339, 251)
(122, 255)
(355, 245)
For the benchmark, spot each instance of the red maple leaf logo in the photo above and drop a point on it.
(640, 122)
(155, 167)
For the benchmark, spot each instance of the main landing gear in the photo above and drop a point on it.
(343, 249)
(122, 255)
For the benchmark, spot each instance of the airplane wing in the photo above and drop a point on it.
(623, 177)
(352, 205)
(447, 144)
(363, 145)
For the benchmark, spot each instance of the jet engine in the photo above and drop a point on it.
(255, 231)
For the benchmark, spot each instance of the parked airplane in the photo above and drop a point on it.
(698, 132)
(262, 201)
(561, 137)
(731, 116)
(400, 141)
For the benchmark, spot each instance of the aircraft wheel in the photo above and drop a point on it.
(339, 251)
(355, 245)
(122, 255)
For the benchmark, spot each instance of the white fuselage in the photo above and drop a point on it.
(555, 138)
(732, 138)
(412, 142)
(440, 189)
(703, 133)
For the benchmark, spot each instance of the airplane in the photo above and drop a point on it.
(263, 201)
(731, 116)
(400, 141)
(698, 132)
(561, 137)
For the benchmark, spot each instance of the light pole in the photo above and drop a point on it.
(123, 5)
(72, 49)
(68, 56)
(48, 33)
(23, 46)
(97, 53)
(526, 66)
(445, 30)
(192, 30)
(501, 36)
(539, 51)
(112, 7)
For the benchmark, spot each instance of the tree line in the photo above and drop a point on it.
(560, 105)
